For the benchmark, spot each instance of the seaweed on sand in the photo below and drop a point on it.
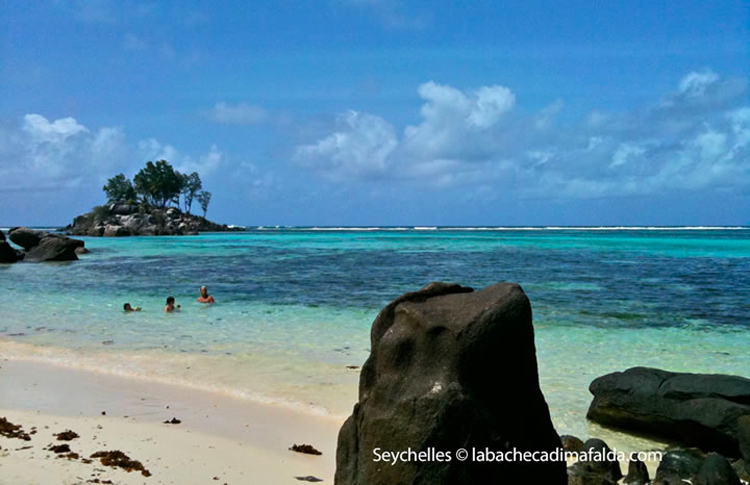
(117, 458)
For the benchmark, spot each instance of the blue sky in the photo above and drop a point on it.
(383, 112)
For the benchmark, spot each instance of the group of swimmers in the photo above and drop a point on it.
(171, 307)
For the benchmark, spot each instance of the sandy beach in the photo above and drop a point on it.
(219, 439)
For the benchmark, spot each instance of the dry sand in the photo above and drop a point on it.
(219, 440)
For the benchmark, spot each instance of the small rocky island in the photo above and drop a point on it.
(157, 203)
(123, 219)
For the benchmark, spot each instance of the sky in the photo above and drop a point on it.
(383, 112)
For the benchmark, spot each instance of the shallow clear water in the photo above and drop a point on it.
(295, 306)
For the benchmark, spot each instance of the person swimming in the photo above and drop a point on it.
(205, 297)
(127, 308)
(170, 308)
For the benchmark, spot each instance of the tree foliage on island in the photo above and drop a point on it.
(204, 198)
(191, 185)
(159, 185)
(119, 188)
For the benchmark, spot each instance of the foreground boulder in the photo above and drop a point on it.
(703, 410)
(450, 368)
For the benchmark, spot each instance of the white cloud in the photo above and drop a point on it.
(697, 137)
(238, 114)
(43, 154)
(153, 150)
(624, 152)
(695, 83)
(360, 148)
(42, 131)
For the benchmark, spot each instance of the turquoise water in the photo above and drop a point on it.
(295, 305)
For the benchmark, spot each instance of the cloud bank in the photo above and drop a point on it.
(694, 138)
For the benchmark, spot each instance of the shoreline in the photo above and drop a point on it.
(219, 436)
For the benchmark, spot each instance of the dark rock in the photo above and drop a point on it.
(2, 236)
(716, 470)
(450, 368)
(54, 248)
(698, 409)
(637, 473)
(743, 435)
(603, 469)
(309, 478)
(742, 469)
(82, 250)
(677, 465)
(571, 443)
(25, 237)
(7, 253)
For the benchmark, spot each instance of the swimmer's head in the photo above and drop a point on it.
(170, 300)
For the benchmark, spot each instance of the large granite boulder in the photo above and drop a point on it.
(25, 237)
(450, 369)
(702, 410)
(54, 247)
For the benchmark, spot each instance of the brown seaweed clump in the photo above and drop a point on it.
(306, 449)
(59, 448)
(10, 430)
(119, 459)
(66, 435)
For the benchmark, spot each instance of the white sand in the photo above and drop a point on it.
(237, 442)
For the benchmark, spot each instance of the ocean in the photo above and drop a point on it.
(295, 305)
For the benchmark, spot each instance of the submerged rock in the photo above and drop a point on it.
(702, 410)
(450, 369)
